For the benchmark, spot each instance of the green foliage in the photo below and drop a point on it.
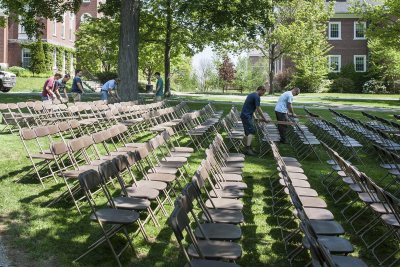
(38, 58)
(358, 78)
(182, 78)
(384, 63)
(105, 76)
(249, 74)
(383, 21)
(283, 79)
(48, 50)
(30, 10)
(342, 85)
(97, 45)
(374, 87)
(21, 72)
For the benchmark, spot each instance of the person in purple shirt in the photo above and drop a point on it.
(251, 104)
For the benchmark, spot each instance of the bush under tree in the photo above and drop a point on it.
(342, 85)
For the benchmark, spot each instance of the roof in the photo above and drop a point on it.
(344, 7)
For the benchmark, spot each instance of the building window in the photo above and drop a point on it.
(26, 57)
(54, 59)
(85, 17)
(335, 63)
(335, 31)
(63, 27)
(359, 29)
(360, 63)
(71, 24)
(54, 28)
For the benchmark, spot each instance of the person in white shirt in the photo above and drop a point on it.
(283, 108)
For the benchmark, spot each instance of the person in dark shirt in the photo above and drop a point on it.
(62, 86)
(251, 104)
(77, 87)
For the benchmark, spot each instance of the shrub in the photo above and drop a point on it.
(20, 72)
(282, 80)
(105, 76)
(38, 60)
(342, 85)
(374, 87)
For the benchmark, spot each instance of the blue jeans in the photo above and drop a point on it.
(44, 98)
(248, 125)
(104, 95)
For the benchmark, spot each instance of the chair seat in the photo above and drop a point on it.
(234, 164)
(289, 159)
(227, 193)
(318, 214)
(313, 202)
(234, 159)
(301, 191)
(232, 177)
(380, 207)
(131, 203)
(137, 145)
(213, 249)
(297, 183)
(175, 159)
(152, 184)
(182, 149)
(162, 177)
(233, 185)
(163, 170)
(43, 156)
(333, 243)
(347, 261)
(224, 216)
(327, 227)
(225, 203)
(75, 173)
(209, 263)
(391, 220)
(180, 154)
(295, 176)
(232, 170)
(292, 169)
(142, 192)
(171, 164)
(115, 216)
(219, 231)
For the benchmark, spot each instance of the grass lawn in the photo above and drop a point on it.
(39, 236)
(28, 85)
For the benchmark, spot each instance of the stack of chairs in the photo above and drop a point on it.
(212, 235)
(330, 133)
(302, 140)
(390, 161)
(315, 221)
(266, 132)
(378, 205)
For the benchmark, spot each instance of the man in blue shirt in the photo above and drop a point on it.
(251, 104)
(282, 108)
(77, 87)
(159, 87)
(108, 87)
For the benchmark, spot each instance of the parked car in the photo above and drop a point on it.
(7, 81)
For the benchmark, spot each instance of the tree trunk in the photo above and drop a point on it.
(129, 50)
(167, 51)
(271, 68)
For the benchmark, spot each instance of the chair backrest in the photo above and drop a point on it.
(59, 148)
(178, 221)
(53, 129)
(76, 144)
(27, 134)
(64, 126)
(89, 180)
(42, 131)
(108, 169)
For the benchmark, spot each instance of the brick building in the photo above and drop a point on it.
(346, 35)
(55, 33)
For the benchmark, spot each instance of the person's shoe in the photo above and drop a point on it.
(249, 151)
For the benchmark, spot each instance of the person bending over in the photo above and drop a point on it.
(250, 106)
(283, 108)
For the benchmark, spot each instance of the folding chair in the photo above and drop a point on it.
(118, 220)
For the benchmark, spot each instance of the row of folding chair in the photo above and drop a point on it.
(315, 221)
(330, 133)
(29, 114)
(212, 238)
(302, 140)
(233, 127)
(125, 209)
(378, 205)
(200, 126)
(366, 133)
(390, 161)
(381, 123)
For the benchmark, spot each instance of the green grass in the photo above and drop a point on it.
(40, 236)
(29, 85)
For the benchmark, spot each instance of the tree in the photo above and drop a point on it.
(97, 45)
(38, 60)
(29, 12)
(128, 57)
(383, 21)
(226, 71)
(249, 74)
